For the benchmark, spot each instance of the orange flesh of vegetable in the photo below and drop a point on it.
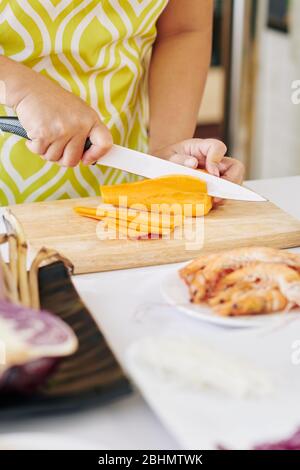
(146, 229)
(114, 225)
(152, 220)
(169, 194)
(169, 200)
(174, 182)
(132, 225)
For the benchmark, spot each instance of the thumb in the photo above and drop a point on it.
(102, 142)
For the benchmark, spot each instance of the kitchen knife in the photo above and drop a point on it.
(152, 167)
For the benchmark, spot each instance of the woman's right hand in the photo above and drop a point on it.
(57, 121)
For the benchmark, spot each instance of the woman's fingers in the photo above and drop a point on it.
(214, 150)
(186, 160)
(102, 142)
(56, 135)
(232, 170)
(73, 151)
(55, 151)
(207, 153)
(39, 146)
(217, 202)
(69, 152)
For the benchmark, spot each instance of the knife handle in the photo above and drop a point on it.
(12, 124)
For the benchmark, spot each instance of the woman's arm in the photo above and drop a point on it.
(11, 75)
(57, 122)
(178, 70)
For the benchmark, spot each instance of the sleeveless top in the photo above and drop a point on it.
(97, 49)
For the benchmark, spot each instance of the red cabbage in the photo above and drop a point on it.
(33, 343)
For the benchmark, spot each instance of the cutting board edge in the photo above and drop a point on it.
(179, 258)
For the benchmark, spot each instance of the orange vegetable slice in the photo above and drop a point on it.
(149, 219)
(167, 195)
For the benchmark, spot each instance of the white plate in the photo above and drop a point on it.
(176, 294)
(37, 441)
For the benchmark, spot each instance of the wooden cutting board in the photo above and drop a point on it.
(236, 224)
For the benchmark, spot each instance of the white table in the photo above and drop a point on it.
(129, 423)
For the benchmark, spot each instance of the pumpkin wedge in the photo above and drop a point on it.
(169, 194)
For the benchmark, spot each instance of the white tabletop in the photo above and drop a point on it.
(120, 302)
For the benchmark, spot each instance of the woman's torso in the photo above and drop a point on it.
(98, 50)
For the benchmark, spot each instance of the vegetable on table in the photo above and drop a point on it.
(150, 207)
(132, 222)
(132, 214)
(133, 230)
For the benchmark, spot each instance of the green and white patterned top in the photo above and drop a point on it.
(97, 49)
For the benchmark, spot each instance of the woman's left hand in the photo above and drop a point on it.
(207, 154)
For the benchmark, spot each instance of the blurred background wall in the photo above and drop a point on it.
(248, 100)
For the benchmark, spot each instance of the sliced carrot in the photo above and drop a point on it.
(149, 219)
(135, 226)
(87, 212)
(123, 230)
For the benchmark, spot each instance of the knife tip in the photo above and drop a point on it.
(262, 199)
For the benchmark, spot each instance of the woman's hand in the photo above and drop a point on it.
(58, 122)
(207, 154)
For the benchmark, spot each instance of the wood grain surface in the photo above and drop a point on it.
(236, 224)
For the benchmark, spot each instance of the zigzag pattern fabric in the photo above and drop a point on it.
(98, 49)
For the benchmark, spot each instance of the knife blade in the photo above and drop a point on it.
(150, 166)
